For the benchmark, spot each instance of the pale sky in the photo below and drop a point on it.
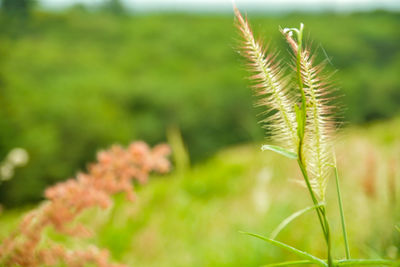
(226, 5)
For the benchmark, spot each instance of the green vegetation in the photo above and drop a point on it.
(302, 124)
(195, 220)
(73, 82)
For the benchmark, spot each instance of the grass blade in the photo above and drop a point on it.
(280, 150)
(346, 243)
(340, 262)
(289, 219)
(366, 262)
(299, 253)
(288, 263)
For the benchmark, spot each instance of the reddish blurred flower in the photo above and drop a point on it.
(113, 173)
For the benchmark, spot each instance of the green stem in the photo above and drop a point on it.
(298, 66)
(320, 211)
(346, 243)
(313, 197)
(328, 236)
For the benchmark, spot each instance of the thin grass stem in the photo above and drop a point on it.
(299, 79)
(320, 211)
(328, 236)
(346, 243)
(313, 197)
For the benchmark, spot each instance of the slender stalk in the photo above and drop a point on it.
(299, 79)
(320, 211)
(328, 236)
(346, 243)
(313, 197)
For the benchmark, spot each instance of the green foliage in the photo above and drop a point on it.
(195, 220)
(299, 253)
(114, 7)
(280, 150)
(73, 82)
(17, 7)
(291, 218)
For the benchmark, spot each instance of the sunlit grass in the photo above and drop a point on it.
(195, 219)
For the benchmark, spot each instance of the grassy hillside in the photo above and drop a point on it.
(194, 219)
(73, 82)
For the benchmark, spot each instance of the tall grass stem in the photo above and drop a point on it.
(320, 211)
(314, 199)
(346, 243)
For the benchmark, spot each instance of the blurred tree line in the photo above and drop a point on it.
(24, 7)
(75, 81)
(17, 7)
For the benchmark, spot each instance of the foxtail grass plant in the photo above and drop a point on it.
(301, 120)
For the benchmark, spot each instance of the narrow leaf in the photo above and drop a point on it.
(344, 231)
(299, 253)
(288, 263)
(366, 262)
(280, 150)
(289, 219)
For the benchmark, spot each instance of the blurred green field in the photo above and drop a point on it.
(78, 80)
(75, 81)
(193, 218)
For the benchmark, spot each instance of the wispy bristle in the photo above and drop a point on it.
(317, 149)
(271, 85)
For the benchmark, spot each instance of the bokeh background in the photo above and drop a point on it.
(78, 76)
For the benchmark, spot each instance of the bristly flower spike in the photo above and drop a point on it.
(317, 148)
(271, 84)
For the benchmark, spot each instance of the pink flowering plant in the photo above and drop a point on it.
(114, 172)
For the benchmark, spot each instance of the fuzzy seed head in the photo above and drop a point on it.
(272, 87)
(317, 150)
